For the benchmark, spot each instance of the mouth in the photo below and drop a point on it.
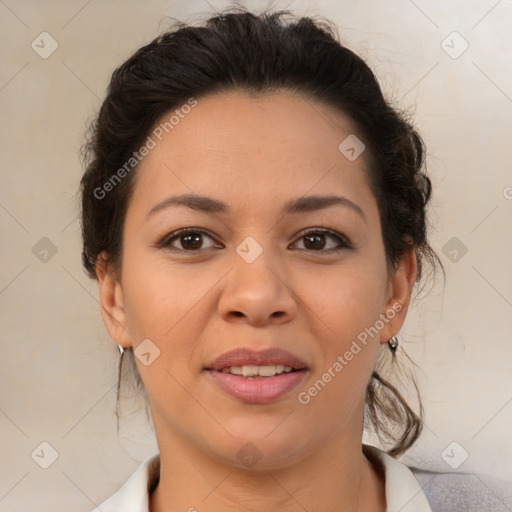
(254, 372)
(257, 377)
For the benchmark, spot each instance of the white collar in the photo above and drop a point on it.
(403, 492)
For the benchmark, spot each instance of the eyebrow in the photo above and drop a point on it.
(300, 205)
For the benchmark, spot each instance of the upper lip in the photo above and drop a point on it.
(248, 357)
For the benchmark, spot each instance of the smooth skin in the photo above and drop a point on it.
(197, 298)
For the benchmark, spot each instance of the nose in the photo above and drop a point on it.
(257, 293)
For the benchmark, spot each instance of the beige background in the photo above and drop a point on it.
(58, 367)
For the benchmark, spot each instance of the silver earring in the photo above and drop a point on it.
(393, 343)
(121, 349)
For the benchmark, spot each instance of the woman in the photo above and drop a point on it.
(254, 213)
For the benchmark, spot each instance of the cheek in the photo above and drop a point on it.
(171, 305)
(161, 295)
(346, 300)
(343, 312)
(344, 306)
(357, 304)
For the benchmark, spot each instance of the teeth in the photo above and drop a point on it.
(258, 371)
(249, 371)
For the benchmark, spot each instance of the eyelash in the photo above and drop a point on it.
(342, 241)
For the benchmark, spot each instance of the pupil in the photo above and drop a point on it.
(314, 241)
(192, 241)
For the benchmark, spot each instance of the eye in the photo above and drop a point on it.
(317, 240)
(187, 239)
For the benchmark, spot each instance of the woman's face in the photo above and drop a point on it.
(284, 261)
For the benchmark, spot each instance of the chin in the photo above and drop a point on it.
(256, 450)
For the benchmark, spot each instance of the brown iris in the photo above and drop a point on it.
(315, 241)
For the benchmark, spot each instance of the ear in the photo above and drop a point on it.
(112, 304)
(399, 295)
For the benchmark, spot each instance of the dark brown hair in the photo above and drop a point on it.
(258, 54)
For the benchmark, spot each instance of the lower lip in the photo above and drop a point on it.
(258, 390)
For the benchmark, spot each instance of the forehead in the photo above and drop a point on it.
(260, 148)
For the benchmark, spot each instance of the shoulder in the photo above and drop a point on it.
(403, 490)
(448, 492)
(470, 492)
(133, 495)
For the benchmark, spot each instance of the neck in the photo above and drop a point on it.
(190, 480)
